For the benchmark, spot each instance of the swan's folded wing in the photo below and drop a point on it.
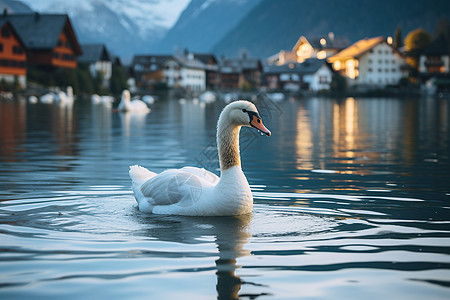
(175, 186)
(202, 173)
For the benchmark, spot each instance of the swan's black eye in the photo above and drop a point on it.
(244, 110)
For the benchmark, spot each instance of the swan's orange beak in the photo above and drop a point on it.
(258, 124)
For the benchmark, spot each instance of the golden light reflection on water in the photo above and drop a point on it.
(303, 141)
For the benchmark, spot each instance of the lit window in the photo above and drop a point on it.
(337, 65)
(321, 54)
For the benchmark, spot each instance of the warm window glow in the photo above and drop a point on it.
(304, 52)
(337, 65)
(323, 41)
(350, 68)
(321, 54)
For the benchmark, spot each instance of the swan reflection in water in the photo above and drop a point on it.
(230, 234)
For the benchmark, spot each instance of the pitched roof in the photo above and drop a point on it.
(150, 59)
(42, 31)
(93, 53)
(357, 49)
(338, 43)
(189, 61)
(309, 66)
(439, 46)
(4, 22)
(237, 65)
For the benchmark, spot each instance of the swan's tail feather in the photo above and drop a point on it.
(139, 175)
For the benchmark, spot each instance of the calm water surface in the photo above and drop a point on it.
(351, 201)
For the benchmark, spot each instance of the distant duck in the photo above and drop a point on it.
(136, 106)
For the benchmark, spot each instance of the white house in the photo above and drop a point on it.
(369, 62)
(311, 75)
(99, 61)
(185, 72)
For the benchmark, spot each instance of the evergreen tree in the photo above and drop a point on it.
(415, 42)
(397, 43)
(118, 80)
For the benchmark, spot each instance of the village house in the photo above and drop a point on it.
(303, 49)
(240, 73)
(49, 39)
(211, 69)
(369, 63)
(12, 55)
(435, 59)
(311, 75)
(434, 66)
(97, 57)
(176, 71)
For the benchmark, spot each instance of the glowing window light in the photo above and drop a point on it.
(323, 41)
(337, 65)
(321, 54)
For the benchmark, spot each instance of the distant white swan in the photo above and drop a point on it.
(107, 100)
(208, 97)
(126, 104)
(149, 99)
(47, 98)
(196, 192)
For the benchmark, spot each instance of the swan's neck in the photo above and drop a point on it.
(228, 144)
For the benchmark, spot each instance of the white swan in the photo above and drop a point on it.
(126, 104)
(47, 98)
(196, 192)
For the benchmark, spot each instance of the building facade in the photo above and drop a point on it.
(370, 62)
(12, 56)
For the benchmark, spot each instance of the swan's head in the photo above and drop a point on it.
(244, 113)
(126, 95)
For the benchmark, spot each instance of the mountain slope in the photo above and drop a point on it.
(203, 23)
(275, 25)
(126, 27)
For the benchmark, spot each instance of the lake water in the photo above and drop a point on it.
(351, 202)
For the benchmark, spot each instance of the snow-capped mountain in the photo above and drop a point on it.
(126, 27)
(203, 23)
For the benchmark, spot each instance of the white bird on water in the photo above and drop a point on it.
(136, 106)
(197, 192)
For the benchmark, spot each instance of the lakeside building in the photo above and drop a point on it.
(99, 61)
(303, 49)
(176, 71)
(370, 63)
(311, 75)
(49, 39)
(12, 55)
